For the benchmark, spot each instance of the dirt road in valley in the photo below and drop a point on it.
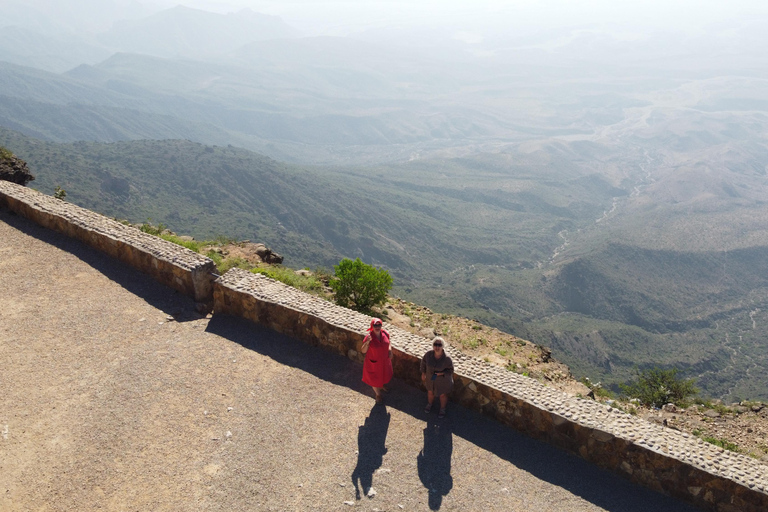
(117, 396)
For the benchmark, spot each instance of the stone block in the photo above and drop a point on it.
(602, 436)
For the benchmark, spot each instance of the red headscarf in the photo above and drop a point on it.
(375, 321)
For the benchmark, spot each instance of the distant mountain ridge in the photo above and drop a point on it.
(212, 94)
(52, 52)
(57, 38)
(186, 32)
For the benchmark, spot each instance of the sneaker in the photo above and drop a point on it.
(441, 414)
(428, 408)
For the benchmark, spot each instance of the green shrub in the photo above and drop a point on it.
(59, 193)
(147, 227)
(359, 286)
(656, 387)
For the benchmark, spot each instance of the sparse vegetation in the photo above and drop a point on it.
(722, 443)
(310, 284)
(149, 228)
(314, 283)
(656, 387)
(229, 263)
(597, 388)
(192, 245)
(714, 405)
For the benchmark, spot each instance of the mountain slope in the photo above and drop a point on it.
(56, 53)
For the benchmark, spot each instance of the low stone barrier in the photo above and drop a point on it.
(663, 459)
(169, 263)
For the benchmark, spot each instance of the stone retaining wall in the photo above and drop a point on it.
(663, 459)
(171, 264)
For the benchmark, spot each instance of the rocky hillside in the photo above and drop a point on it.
(741, 427)
(13, 168)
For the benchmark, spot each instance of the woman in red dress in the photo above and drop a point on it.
(377, 368)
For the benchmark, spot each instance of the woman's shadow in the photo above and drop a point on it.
(434, 461)
(371, 438)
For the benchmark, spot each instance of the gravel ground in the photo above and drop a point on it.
(117, 396)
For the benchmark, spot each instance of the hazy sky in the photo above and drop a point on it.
(345, 16)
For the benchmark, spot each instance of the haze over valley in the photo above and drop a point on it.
(592, 179)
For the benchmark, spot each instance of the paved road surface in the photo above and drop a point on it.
(106, 404)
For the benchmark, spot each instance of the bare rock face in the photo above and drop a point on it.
(265, 253)
(14, 169)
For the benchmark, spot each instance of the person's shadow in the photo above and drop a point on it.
(434, 461)
(370, 448)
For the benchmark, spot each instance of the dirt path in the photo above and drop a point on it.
(116, 396)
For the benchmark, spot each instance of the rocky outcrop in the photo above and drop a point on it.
(266, 254)
(254, 253)
(14, 169)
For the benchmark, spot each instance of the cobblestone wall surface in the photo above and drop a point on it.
(171, 264)
(663, 459)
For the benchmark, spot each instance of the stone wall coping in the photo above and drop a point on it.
(95, 222)
(587, 413)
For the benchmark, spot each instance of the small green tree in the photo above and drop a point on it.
(59, 193)
(359, 286)
(657, 387)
